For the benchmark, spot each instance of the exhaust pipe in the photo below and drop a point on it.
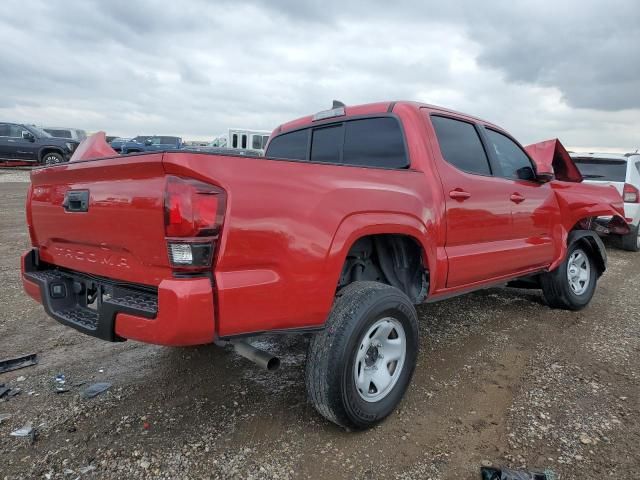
(261, 358)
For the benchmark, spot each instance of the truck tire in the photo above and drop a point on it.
(360, 365)
(631, 241)
(52, 158)
(572, 285)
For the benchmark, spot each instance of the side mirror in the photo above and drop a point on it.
(544, 171)
(28, 136)
(526, 173)
(147, 142)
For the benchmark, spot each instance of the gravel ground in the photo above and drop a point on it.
(501, 378)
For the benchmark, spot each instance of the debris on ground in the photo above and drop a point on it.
(60, 379)
(25, 431)
(495, 473)
(4, 416)
(95, 389)
(8, 391)
(19, 362)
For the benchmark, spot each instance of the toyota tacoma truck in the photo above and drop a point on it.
(353, 217)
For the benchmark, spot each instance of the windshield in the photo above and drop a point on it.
(602, 169)
(39, 132)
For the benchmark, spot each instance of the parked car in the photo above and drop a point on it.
(28, 143)
(150, 143)
(355, 215)
(622, 172)
(76, 134)
(117, 143)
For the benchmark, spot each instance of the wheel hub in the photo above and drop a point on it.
(578, 272)
(380, 359)
(372, 355)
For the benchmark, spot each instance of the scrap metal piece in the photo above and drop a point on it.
(500, 473)
(19, 362)
(95, 389)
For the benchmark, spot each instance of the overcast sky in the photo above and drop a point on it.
(540, 69)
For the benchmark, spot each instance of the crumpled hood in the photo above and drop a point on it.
(555, 157)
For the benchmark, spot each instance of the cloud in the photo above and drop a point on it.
(196, 68)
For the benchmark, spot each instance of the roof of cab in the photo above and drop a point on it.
(371, 109)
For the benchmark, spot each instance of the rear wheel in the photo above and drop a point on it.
(572, 285)
(631, 241)
(360, 365)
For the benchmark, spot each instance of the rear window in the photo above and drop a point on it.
(602, 169)
(327, 143)
(290, 146)
(370, 142)
(375, 142)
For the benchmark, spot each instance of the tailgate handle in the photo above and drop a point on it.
(76, 201)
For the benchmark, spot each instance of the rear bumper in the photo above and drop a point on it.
(179, 312)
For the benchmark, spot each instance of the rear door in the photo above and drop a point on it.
(479, 231)
(6, 150)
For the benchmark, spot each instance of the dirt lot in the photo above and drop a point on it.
(501, 378)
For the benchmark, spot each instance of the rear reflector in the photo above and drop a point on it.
(630, 194)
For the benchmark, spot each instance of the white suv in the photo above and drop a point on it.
(623, 172)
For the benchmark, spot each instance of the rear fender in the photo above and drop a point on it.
(361, 225)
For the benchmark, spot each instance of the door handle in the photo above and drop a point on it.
(459, 194)
(517, 198)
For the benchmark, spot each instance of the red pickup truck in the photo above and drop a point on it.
(355, 215)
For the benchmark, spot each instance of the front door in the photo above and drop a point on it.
(534, 207)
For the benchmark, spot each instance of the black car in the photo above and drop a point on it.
(27, 143)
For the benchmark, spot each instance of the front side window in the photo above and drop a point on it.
(460, 145)
(16, 131)
(289, 146)
(514, 163)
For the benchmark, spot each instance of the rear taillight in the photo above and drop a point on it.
(630, 194)
(194, 212)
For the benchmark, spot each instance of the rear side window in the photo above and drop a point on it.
(460, 145)
(602, 169)
(290, 146)
(58, 133)
(368, 142)
(510, 156)
(375, 142)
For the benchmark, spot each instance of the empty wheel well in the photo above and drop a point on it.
(396, 260)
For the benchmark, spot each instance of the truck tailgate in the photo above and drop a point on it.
(118, 232)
